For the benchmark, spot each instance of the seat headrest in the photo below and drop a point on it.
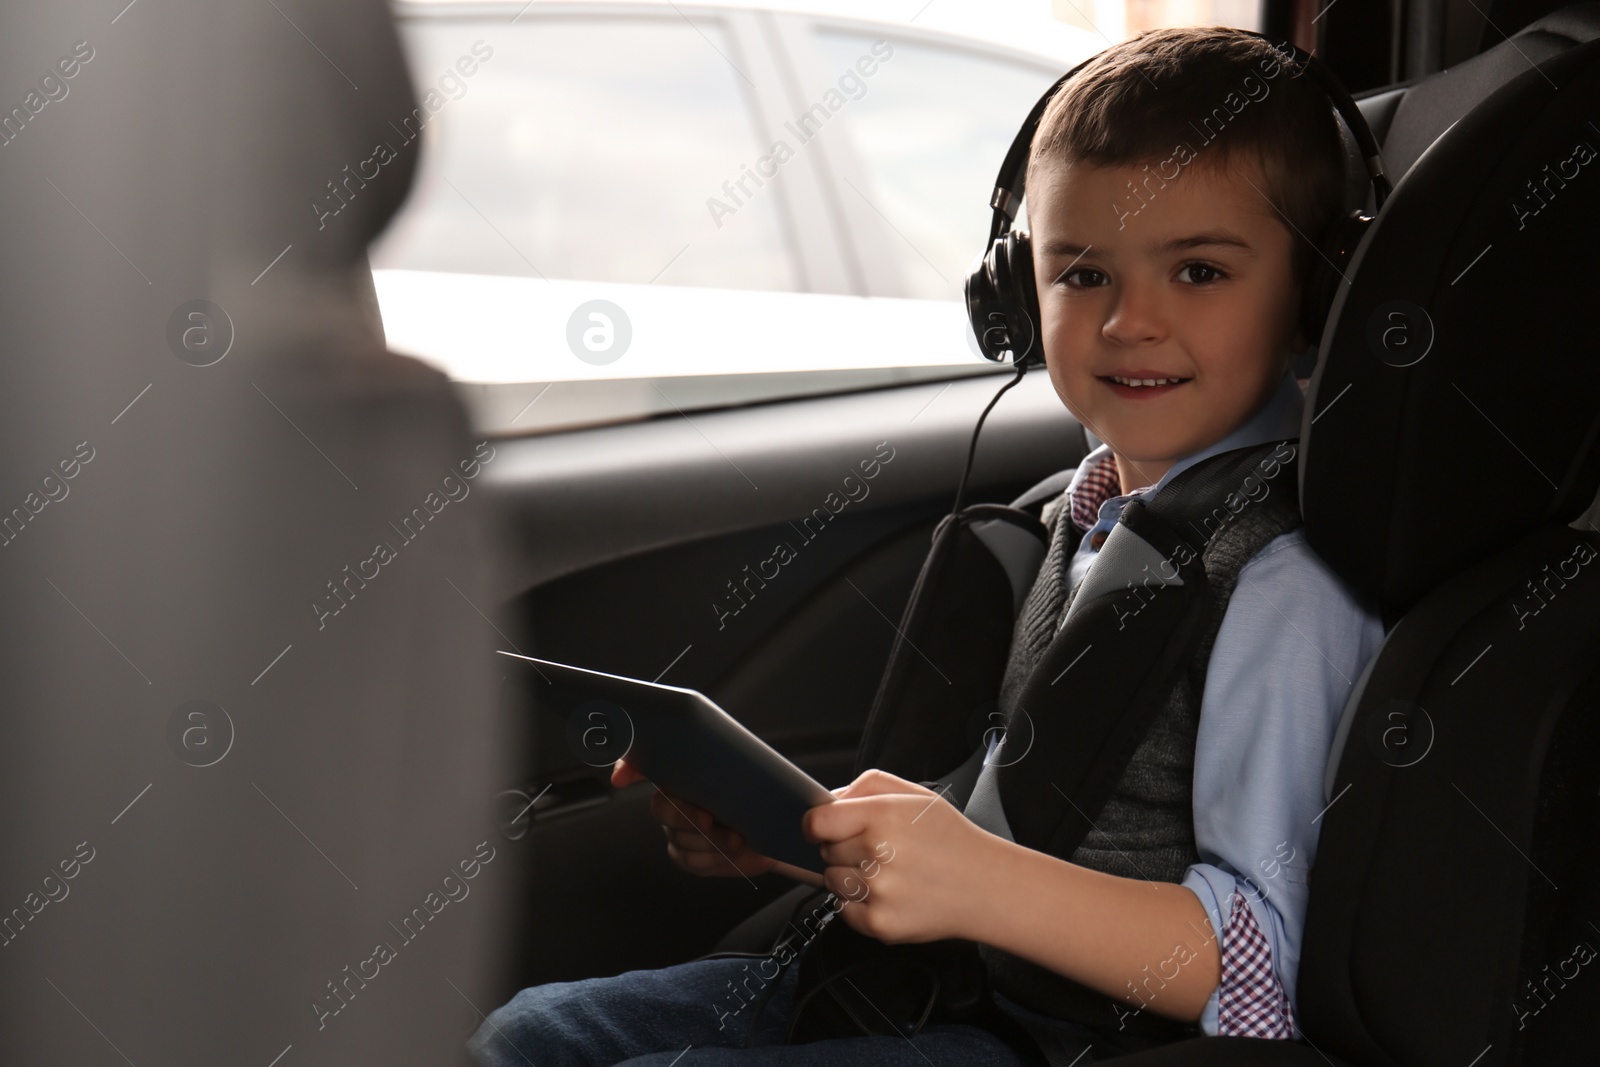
(225, 124)
(318, 88)
(1426, 110)
(248, 170)
(1456, 399)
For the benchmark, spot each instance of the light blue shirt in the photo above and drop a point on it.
(1292, 644)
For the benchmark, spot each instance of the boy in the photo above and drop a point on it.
(1172, 187)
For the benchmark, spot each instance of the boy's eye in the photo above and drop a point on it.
(1083, 278)
(1088, 277)
(1200, 273)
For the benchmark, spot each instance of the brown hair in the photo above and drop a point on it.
(1221, 93)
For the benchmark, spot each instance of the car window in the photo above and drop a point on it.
(588, 238)
(558, 256)
(584, 148)
(930, 132)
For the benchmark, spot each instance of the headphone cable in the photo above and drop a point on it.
(972, 450)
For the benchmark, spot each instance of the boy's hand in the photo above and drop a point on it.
(697, 843)
(624, 773)
(912, 862)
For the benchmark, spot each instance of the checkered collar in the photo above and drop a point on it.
(1096, 480)
(1095, 483)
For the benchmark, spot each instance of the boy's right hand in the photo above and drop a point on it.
(697, 843)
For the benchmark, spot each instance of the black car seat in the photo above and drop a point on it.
(1449, 457)
(218, 804)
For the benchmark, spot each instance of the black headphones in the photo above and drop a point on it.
(1003, 303)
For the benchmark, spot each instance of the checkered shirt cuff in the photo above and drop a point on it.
(1251, 1002)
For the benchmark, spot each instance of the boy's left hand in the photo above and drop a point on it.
(910, 864)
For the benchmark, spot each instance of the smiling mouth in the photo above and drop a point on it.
(1141, 383)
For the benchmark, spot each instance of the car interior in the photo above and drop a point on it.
(800, 664)
(1454, 889)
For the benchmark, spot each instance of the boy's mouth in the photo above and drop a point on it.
(1141, 384)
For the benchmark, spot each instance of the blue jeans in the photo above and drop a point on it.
(689, 1014)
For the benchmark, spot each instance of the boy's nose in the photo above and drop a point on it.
(1135, 319)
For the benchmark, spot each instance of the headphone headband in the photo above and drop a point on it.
(1008, 184)
(1007, 197)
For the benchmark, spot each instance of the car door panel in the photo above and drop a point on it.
(629, 538)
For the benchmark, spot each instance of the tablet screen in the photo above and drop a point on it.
(686, 745)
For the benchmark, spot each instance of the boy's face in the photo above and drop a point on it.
(1195, 286)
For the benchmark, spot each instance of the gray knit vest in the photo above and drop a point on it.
(1146, 828)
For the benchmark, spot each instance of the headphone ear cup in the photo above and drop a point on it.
(982, 301)
(1328, 271)
(1024, 296)
(1002, 304)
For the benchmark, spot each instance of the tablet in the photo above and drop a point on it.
(685, 744)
